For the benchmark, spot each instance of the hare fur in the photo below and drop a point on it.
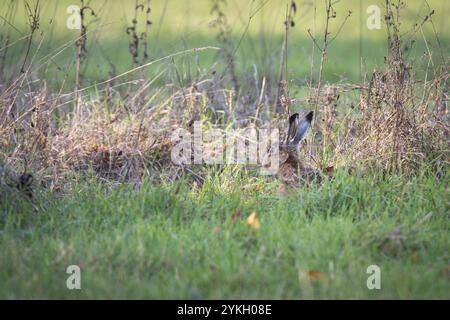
(292, 172)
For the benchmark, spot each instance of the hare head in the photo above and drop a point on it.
(292, 171)
(297, 131)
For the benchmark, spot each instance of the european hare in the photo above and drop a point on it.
(292, 172)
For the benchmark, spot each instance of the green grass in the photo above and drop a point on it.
(168, 241)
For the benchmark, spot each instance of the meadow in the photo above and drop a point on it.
(89, 114)
(169, 242)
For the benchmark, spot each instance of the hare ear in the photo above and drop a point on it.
(298, 128)
(304, 126)
(292, 130)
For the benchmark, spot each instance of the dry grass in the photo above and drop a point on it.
(399, 121)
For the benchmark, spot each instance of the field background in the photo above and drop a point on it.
(184, 24)
(169, 239)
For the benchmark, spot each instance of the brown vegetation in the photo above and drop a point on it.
(399, 122)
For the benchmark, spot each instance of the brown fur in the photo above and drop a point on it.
(292, 172)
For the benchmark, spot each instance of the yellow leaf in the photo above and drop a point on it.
(253, 221)
(315, 275)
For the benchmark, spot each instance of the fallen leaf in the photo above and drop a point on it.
(315, 275)
(253, 221)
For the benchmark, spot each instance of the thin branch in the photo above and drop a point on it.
(314, 40)
(342, 25)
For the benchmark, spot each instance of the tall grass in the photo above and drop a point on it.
(395, 124)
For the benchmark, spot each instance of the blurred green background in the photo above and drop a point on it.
(256, 35)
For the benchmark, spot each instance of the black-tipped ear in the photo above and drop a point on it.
(293, 124)
(298, 128)
(303, 127)
(293, 119)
